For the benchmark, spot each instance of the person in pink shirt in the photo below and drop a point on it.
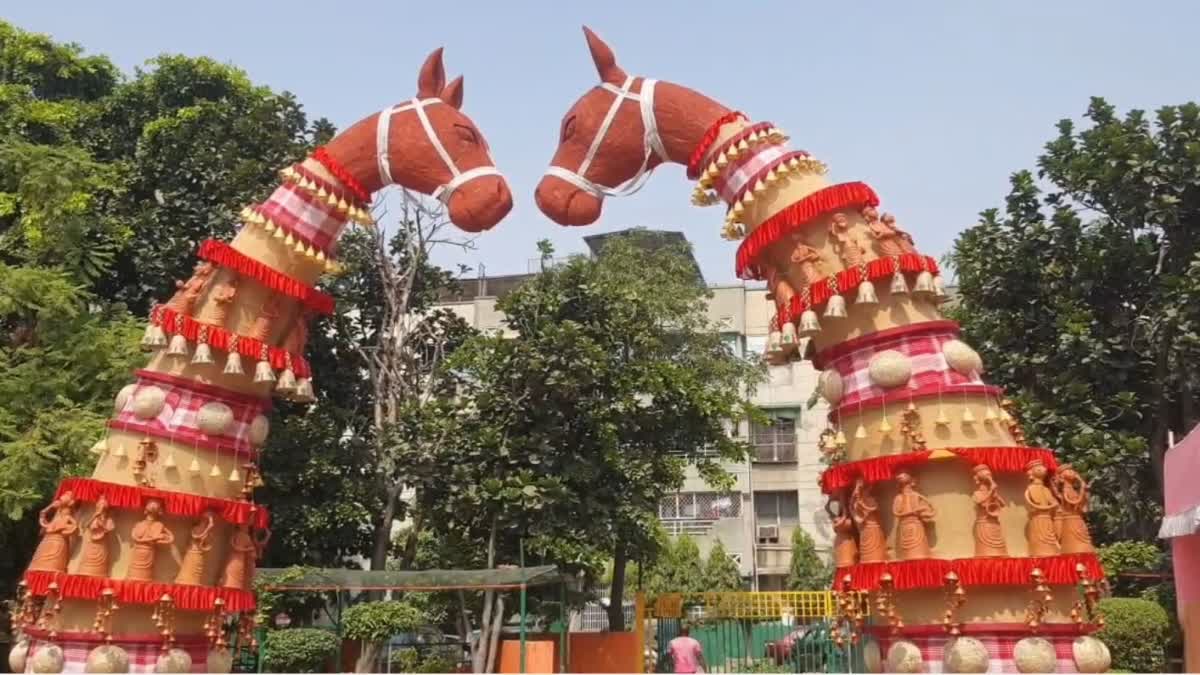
(686, 653)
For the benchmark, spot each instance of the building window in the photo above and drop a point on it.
(732, 342)
(774, 442)
(777, 508)
(700, 506)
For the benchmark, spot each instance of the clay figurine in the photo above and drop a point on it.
(94, 561)
(148, 535)
(54, 551)
(989, 537)
(1072, 494)
(297, 337)
(191, 570)
(809, 260)
(188, 292)
(872, 542)
(845, 547)
(244, 551)
(216, 309)
(264, 323)
(892, 241)
(1040, 501)
(913, 511)
(848, 250)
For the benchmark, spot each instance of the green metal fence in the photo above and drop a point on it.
(783, 632)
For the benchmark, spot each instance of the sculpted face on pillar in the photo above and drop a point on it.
(615, 135)
(428, 145)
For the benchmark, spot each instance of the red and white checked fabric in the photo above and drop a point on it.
(736, 177)
(1000, 650)
(177, 419)
(307, 218)
(143, 655)
(929, 367)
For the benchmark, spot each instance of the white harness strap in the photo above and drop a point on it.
(652, 143)
(443, 192)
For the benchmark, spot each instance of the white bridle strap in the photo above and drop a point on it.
(443, 192)
(651, 142)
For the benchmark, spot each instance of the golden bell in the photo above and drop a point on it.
(861, 432)
(119, 452)
(194, 467)
(942, 420)
(885, 426)
(169, 462)
(840, 438)
(215, 472)
(742, 145)
(967, 416)
(234, 476)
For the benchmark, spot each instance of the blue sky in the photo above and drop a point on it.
(932, 103)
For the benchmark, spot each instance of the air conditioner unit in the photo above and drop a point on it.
(768, 534)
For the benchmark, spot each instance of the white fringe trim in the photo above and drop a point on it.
(1181, 524)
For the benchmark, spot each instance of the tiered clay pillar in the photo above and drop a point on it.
(148, 564)
(969, 538)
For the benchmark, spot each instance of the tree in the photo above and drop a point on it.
(807, 572)
(678, 568)
(1082, 297)
(721, 572)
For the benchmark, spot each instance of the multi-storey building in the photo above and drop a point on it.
(776, 491)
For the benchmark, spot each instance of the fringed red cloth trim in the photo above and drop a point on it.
(877, 469)
(706, 141)
(174, 503)
(827, 200)
(1019, 630)
(130, 592)
(342, 174)
(847, 281)
(219, 338)
(931, 573)
(117, 638)
(226, 256)
(904, 396)
(823, 357)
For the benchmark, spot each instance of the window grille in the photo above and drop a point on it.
(774, 442)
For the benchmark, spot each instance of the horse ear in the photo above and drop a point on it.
(602, 56)
(452, 95)
(432, 77)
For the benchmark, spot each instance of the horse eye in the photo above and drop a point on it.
(466, 133)
(568, 128)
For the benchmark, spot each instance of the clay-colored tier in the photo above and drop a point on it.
(984, 605)
(112, 468)
(955, 433)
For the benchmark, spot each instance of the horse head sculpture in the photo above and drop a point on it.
(428, 145)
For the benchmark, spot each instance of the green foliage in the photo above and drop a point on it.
(437, 659)
(299, 650)
(808, 571)
(1136, 632)
(379, 621)
(301, 606)
(1082, 296)
(1120, 557)
(721, 571)
(678, 568)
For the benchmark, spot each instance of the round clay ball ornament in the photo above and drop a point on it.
(889, 369)
(1091, 655)
(17, 656)
(965, 655)
(260, 426)
(122, 398)
(962, 358)
(1034, 655)
(214, 418)
(47, 658)
(148, 402)
(219, 661)
(831, 386)
(904, 657)
(872, 657)
(107, 659)
(175, 660)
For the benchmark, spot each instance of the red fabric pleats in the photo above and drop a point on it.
(218, 338)
(827, 200)
(130, 592)
(876, 469)
(931, 573)
(710, 136)
(223, 254)
(847, 282)
(180, 504)
(342, 174)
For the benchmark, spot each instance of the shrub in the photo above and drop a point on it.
(439, 659)
(298, 650)
(808, 571)
(374, 623)
(1136, 632)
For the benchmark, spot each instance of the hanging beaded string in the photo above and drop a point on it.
(106, 606)
(956, 597)
(1035, 611)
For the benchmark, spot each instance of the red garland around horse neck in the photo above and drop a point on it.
(616, 134)
(428, 145)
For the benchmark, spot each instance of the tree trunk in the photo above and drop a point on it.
(383, 532)
(616, 594)
(409, 554)
(497, 629)
(482, 646)
(368, 658)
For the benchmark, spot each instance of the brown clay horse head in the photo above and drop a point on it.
(428, 145)
(616, 134)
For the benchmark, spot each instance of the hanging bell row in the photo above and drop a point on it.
(926, 285)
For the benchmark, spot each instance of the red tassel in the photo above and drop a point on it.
(877, 469)
(710, 136)
(226, 256)
(180, 504)
(796, 216)
(1059, 570)
(339, 172)
(131, 592)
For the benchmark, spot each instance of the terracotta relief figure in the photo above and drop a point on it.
(297, 337)
(188, 292)
(989, 537)
(850, 251)
(216, 310)
(264, 323)
(96, 553)
(872, 542)
(191, 570)
(809, 260)
(244, 551)
(54, 551)
(845, 547)
(1041, 504)
(891, 240)
(148, 535)
(1072, 493)
(912, 511)
(778, 288)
